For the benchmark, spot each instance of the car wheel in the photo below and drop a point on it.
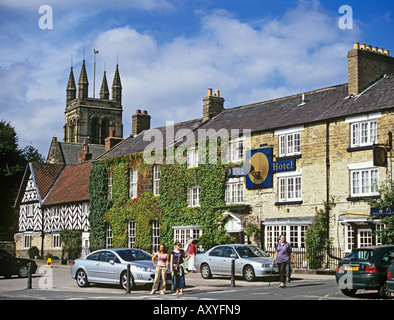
(384, 292)
(349, 292)
(123, 280)
(23, 272)
(82, 278)
(249, 273)
(206, 271)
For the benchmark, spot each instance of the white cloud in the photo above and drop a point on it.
(301, 50)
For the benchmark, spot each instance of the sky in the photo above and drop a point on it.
(170, 52)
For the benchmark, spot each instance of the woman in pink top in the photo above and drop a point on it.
(161, 269)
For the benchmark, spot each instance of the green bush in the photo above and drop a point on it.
(33, 252)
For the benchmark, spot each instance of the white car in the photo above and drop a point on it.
(110, 266)
(250, 262)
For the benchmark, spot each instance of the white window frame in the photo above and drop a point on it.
(30, 210)
(56, 244)
(364, 179)
(364, 237)
(85, 208)
(349, 238)
(289, 141)
(55, 213)
(110, 181)
(192, 158)
(193, 196)
(295, 235)
(363, 129)
(132, 229)
(108, 237)
(156, 180)
(235, 150)
(133, 182)
(155, 236)
(290, 186)
(183, 233)
(234, 190)
(27, 239)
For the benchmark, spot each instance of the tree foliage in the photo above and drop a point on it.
(317, 240)
(385, 202)
(12, 166)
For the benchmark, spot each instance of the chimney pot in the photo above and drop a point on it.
(362, 46)
(144, 112)
(217, 93)
(369, 48)
(387, 52)
(375, 49)
(209, 92)
(138, 111)
(380, 50)
(356, 45)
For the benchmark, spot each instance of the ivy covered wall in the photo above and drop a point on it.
(169, 208)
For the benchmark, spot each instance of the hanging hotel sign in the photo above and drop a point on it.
(262, 167)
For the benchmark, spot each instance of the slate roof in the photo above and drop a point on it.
(319, 105)
(137, 144)
(71, 186)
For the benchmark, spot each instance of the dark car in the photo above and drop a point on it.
(365, 268)
(390, 279)
(10, 265)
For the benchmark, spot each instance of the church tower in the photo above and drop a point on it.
(92, 119)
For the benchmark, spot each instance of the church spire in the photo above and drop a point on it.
(83, 83)
(71, 88)
(117, 87)
(104, 91)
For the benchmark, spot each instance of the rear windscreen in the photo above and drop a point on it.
(361, 255)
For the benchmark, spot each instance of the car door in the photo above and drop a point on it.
(5, 263)
(91, 264)
(226, 261)
(106, 270)
(215, 260)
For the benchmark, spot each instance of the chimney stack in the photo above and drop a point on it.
(140, 122)
(85, 155)
(212, 105)
(111, 141)
(367, 64)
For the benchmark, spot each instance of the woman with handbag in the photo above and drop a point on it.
(177, 258)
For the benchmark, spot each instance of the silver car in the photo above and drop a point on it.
(250, 262)
(110, 266)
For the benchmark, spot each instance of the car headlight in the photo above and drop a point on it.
(144, 269)
(266, 265)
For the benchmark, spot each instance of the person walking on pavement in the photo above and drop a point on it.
(161, 269)
(282, 258)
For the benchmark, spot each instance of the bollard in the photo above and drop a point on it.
(233, 273)
(29, 286)
(128, 279)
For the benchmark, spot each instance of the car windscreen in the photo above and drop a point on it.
(134, 255)
(250, 252)
(361, 255)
